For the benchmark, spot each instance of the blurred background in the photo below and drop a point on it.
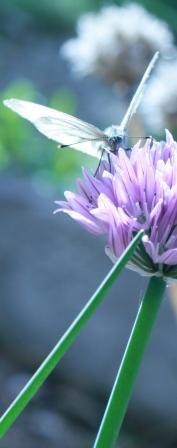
(84, 58)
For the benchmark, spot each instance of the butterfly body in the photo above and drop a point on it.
(116, 139)
(115, 144)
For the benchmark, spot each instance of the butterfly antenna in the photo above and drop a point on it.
(138, 94)
(78, 142)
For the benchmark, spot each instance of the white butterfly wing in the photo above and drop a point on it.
(60, 127)
(137, 97)
(70, 131)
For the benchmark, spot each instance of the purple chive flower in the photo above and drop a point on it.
(140, 192)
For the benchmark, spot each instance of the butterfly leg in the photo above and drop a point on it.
(149, 137)
(99, 163)
(109, 161)
(151, 141)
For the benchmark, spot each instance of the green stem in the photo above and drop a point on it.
(127, 373)
(65, 342)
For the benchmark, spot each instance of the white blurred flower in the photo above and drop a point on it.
(117, 43)
(159, 106)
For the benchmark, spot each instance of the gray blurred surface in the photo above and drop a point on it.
(49, 268)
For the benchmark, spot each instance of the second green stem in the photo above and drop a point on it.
(127, 373)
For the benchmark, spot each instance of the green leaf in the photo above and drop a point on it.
(66, 341)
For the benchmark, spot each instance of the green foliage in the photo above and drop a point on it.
(26, 150)
(162, 9)
(58, 15)
(13, 134)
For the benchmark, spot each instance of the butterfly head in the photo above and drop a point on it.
(115, 138)
(115, 143)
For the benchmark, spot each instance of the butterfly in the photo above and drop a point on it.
(68, 130)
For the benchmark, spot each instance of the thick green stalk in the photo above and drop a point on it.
(65, 342)
(127, 373)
